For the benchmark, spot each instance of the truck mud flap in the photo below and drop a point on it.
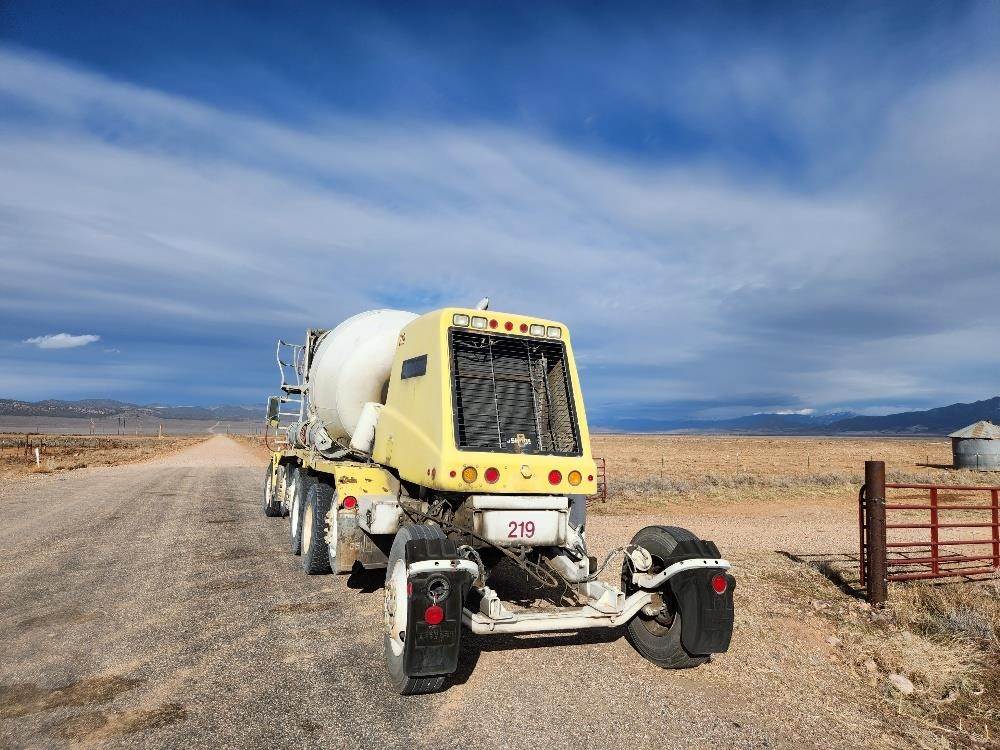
(432, 644)
(348, 545)
(706, 617)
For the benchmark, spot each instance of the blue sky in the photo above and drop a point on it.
(735, 208)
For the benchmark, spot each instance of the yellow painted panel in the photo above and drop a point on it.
(415, 433)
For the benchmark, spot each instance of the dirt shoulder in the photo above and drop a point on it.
(60, 453)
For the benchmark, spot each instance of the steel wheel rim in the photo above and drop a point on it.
(330, 537)
(307, 525)
(396, 607)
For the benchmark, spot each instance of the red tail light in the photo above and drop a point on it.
(524, 328)
(719, 583)
(493, 323)
(434, 615)
(350, 502)
(508, 326)
(491, 475)
(555, 477)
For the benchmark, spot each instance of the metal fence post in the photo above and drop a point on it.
(995, 519)
(875, 523)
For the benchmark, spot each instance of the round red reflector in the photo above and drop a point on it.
(493, 323)
(350, 502)
(434, 615)
(508, 326)
(524, 328)
(719, 583)
(451, 473)
(491, 475)
(590, 477)
(555, 477)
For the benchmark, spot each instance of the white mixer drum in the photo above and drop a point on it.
(351, 367)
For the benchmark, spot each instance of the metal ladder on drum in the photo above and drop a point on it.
(291, 365)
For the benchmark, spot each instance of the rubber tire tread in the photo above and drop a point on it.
(665, 650)
(319, 495)
(300, 478)
(403, 684)
(270, 509)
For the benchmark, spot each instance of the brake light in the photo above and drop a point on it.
(524, 328)
(508, 326)
(434, 615)
(491, 475)
(493, 323)
(555, 477)
(719, 583)
(350, 502)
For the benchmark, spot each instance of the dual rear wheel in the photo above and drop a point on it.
(309, 503)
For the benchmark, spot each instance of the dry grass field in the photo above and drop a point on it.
(647, 471)
(65, 452)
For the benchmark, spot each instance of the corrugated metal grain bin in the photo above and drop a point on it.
(977, 447)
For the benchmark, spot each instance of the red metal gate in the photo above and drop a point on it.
(602, 479)
(935, 511)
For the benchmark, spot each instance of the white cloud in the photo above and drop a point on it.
(680, 280)
(62, 340)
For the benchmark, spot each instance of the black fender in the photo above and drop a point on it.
(706, 615)
(432, 649)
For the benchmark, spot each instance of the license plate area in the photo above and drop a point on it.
(522, 527)
(435, 636)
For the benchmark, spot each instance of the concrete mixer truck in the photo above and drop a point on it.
(437, 447)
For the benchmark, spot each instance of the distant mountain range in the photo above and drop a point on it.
(767, 423)
(939, 421)
(96, 408)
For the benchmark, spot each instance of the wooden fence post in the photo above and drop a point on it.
(878, 584)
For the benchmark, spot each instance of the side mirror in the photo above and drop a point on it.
(273, 406)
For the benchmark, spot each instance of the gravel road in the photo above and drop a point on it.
(153, 605)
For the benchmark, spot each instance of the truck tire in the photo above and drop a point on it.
(659, 638)
(271, 509)
(281, 487)
(315, 509)
(296, 487)
(395, 593)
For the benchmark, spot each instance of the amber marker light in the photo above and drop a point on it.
(575, 477)
(469, 474)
